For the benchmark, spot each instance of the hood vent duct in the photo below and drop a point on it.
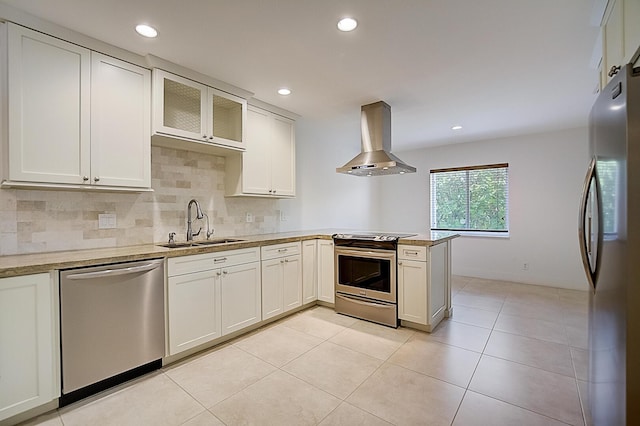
(376, 158)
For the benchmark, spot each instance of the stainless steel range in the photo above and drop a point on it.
(366, 274)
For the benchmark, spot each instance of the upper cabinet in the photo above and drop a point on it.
(63, 101)
(620, 35)
(267, 167)
(188, 110)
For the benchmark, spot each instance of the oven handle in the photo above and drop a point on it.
(361, 302)
(373, 253)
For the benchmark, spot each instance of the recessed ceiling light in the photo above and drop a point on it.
(146, 30)
(402, 173)
(284, 91)
(347, 24)
(456, 127)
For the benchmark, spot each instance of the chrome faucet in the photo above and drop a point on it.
(199, 215)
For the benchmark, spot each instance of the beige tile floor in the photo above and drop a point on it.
(512, 354)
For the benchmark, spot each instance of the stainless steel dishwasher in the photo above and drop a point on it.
(112, 325)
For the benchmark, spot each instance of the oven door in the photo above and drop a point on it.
(367, 273)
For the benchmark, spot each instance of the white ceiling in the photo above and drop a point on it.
(497, 67)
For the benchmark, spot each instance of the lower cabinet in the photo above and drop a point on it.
(29, 343)
(210, 295)
(423, 284)
(281, 279)
(326, 279)
(240, 294)
(309, 271)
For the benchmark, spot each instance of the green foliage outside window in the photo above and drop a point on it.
(470, 199)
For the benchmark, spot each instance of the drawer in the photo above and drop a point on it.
(203, 262)
(280, 250)
(412, 253)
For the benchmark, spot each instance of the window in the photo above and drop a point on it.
(472, 199)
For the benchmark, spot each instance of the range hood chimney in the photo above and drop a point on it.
(376, 158)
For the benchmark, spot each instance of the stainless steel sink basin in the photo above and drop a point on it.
(200, 243)
(177, 245)
(218, 241)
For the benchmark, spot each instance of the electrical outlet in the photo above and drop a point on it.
(525, 266)
(106, 221)
(249, 217)
(283, 216)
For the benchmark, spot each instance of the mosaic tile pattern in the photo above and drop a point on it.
(35, 221)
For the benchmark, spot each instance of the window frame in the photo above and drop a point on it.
(500, 233)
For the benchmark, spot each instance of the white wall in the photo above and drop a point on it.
(546, 173)
(326, 199)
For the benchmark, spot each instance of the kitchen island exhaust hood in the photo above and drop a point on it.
(376, 158)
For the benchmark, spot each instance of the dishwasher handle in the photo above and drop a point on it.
(116, 271)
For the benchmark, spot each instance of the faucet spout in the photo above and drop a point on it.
(199, 215)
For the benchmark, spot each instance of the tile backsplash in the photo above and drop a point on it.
(38, 221)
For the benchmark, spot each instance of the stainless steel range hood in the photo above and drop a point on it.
(376, 158)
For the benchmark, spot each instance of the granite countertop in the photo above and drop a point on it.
(35, 263)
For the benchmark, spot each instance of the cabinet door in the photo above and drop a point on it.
(241, 302)
(326, 275)
(412, 291)
(283, 157)
(27, 372)
(272, 280)
(292, 282)
(49, 100)
(613, 37)
(309, 272)
(438, 282)
(120, 123)
(180, 106)
(226, 118)
(256, 167)
(194, 310)
(631, 28)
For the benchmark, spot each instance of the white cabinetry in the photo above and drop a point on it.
(309, 271)
(620, 35)
(281, 279)
(185, 109)
(210, 295)
(326, 279)
(267, 167)
(28, 343)
(63, 103)
(423, 284)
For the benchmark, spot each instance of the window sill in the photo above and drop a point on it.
(483, 234)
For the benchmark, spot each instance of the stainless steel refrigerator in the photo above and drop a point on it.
(610, 246)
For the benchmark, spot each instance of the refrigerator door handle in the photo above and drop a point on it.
(584, 235)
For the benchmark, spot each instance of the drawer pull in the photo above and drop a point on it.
(220, 259)
(282, 250)
(412, 253)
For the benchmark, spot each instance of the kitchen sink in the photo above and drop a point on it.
(200, 243)
(218, 241)
(176, 245)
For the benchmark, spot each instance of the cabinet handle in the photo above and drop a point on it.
(274, 191)
(224, 272)
(614, 70)
(218, 273)
(204, 136)
(282, 250)
(96, 179)
(399, 263)
(412, 253)
(210, 137)
(220, 259)
(286, 261)
(85, 178)
(281, 261)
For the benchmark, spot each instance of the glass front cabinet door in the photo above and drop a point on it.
(186, 109)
